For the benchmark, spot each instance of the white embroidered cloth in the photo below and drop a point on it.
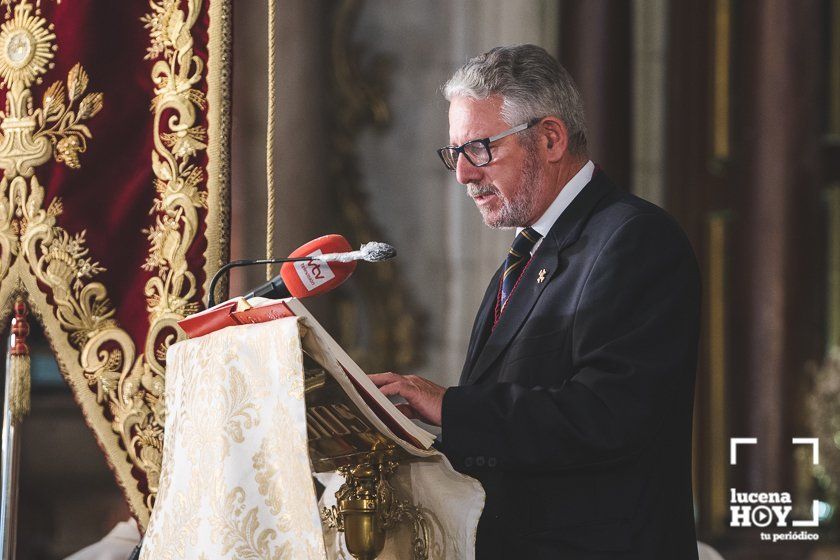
(236, 481)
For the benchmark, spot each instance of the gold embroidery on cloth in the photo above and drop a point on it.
(236, 437)
(31, 137)
(59, 259)
(240, 529)
(179, 184)
(176, 543)
(128, 387)
(282, 492)
(230, 413)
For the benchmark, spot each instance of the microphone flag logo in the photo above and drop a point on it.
(314, 273)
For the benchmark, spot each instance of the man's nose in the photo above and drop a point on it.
(465, 172)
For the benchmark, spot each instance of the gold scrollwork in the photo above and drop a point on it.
(30, 138)
(180, 187)
(128, 388)
(179, 180)
(59, 259)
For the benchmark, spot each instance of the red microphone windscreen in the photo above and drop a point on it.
(304, 279)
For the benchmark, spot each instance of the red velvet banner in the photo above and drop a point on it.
(114, 197)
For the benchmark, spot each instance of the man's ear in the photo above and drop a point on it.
(555, 138)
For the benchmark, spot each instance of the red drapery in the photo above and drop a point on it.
(111, 232)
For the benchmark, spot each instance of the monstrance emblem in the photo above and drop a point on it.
(27, 47)
(32, 136)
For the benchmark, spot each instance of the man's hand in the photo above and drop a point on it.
(425, 399)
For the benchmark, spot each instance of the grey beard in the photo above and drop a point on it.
(516, 211)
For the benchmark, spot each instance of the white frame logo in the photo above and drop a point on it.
(761, 509)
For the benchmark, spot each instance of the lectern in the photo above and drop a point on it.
(277, 446)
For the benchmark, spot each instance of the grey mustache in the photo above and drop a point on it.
(480, 190)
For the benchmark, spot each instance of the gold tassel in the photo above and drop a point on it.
(19, 387)
(18, 360)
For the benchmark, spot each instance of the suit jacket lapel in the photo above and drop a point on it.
(563, 233)
(481, 327)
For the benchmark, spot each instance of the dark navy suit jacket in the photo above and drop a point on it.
(575, 411)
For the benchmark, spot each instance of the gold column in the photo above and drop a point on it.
(834, 73)
(832, 193)
(721, 79)
(832, 196)
(717, 335)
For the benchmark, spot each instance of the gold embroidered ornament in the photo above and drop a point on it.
(27, 49)
(31, 137)
(79, 319)
(118, 386)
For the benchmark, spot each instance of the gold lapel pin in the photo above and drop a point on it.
(541, 277)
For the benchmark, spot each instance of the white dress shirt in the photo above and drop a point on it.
(567, 194)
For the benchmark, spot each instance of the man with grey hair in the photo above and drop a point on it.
(574, 407)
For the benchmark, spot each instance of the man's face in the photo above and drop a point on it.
(507, 189)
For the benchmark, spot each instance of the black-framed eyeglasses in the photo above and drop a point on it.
(477, 151)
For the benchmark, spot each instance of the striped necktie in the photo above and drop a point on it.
(518, 255)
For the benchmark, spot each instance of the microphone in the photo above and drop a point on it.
(314, 275)
(314, 268)
(371, 252)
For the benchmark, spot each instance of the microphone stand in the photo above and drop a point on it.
(211, 292)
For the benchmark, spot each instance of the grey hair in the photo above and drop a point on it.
(532, 85)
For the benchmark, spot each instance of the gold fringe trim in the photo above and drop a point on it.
(19, 387)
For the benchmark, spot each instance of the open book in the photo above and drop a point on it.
(346, 412)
